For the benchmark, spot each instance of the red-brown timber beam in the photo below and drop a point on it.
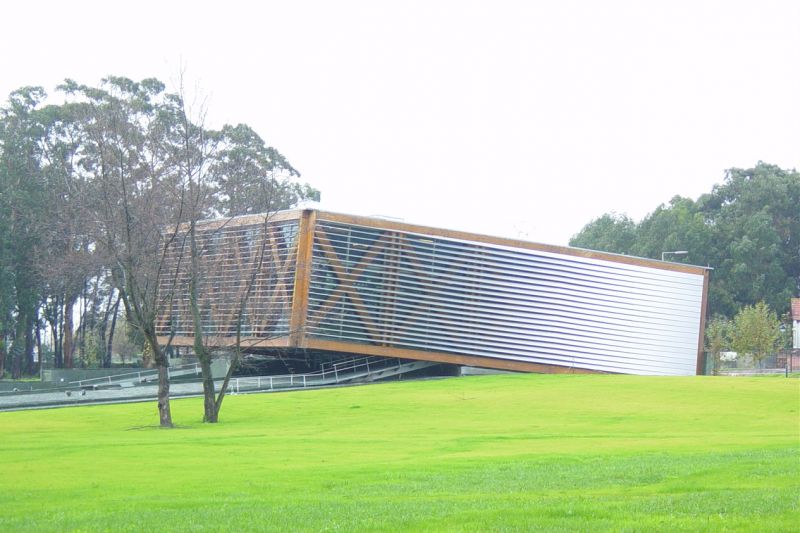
(227, 342)
(700, 369)
(441, 357)
(302, 277)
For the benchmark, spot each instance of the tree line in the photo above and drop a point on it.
(747, 229)
(87, 188)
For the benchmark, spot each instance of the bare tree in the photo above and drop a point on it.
(137, 192)
(154, 172)
(228, 172)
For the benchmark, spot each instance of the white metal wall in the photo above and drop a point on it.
(421, 292)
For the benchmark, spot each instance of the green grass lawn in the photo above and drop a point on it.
(492, 453)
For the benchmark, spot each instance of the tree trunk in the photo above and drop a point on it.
(223, 390)
(38, 339)
(147, 356)
(30, 343)
(2, 356)
(209, 399)
(82, 319)
(102, 332)
(164, 413)
(110, 345)
(53, 317)
(16, 359)
(17, 350)
(67, 333)
(58, 334)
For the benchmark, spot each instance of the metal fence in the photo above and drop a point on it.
(746, 365)
(367, 368)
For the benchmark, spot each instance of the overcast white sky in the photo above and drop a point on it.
(522, 119)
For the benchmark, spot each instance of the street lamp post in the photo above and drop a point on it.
(676, 252)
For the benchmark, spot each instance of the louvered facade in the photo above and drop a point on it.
(369, 286)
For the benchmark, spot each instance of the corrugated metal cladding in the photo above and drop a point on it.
(231, 258)
(410, 290)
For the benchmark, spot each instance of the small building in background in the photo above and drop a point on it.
(796, 323)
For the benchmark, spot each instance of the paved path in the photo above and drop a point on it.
(65, 398)
(360, 370)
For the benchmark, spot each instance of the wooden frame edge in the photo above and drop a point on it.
(503, 241)
(442, 357)
(227, 342)
(244, 220)
(302, 277)
(700, 367)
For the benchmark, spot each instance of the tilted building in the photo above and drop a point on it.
(326, 283)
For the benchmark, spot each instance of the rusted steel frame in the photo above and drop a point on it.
(302, 277)
(442, 357)
(229, 342)
(276, 295)
(390, 288)
(323, 310)
(261, 288)
(229, 257)
(473, 272)
(328, 305)
(346, 288)
(409, 253)
(702, 334)
(244, 220)
(287, 263)
(403, 248)
(501, 241)
(347, 279)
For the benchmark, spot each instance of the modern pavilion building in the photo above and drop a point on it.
(321, 283)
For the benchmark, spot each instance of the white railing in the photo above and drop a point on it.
(139, 376)
(329, 374)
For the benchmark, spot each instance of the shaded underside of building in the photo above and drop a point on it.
(317, 282)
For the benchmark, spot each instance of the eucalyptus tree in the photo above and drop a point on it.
(755, 220)
(97, 192)
(23, 212)
(137, 192)
(48, 253)
(153, 171)
(251, 177)
(71, 260)
(226, 173)
(611, 232)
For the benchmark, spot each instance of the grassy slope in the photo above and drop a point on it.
(484, 453)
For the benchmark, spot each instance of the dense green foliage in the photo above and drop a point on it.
(755, 331)
(23, 198)
(86, 186)
(513, 452)
(747, 229)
